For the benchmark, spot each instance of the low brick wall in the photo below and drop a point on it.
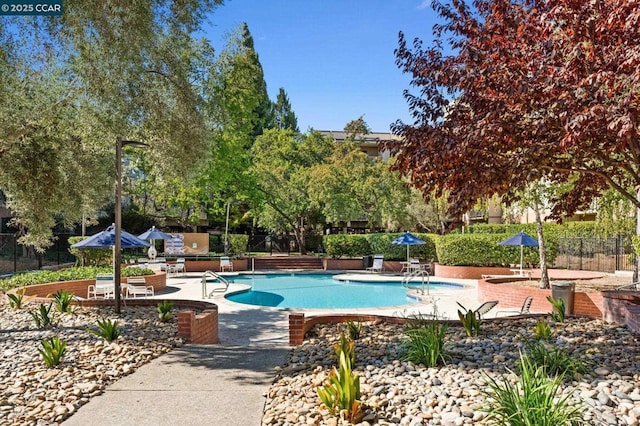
(468, 272)
(622, 307)
(214, 265)
(79, 287)
(199, 328)
(512, 296)
(330, 264)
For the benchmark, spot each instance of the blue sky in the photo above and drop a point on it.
(334, 58)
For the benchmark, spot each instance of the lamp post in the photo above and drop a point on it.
(118, 216)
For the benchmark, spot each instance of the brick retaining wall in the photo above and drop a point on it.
(622, 307)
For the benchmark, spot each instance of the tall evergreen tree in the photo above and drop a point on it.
(283, 115)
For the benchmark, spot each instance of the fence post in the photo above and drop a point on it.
(15, 254)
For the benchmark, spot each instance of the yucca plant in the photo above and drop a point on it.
(354, 329)
(554, 360)
(426, 344)
(347, 347)
(52, 351)
(542, 330)
(16, 299)
(532, 400)
(164, 310)
(107, 329)
(469, 320)
(43, 316)
(558, 311)
(341, 391)
(62, 300)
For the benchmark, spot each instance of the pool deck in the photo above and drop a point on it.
(225, 384)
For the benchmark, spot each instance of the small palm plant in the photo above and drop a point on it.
(16, 299)
(107, 329)
(341, 391)
(558, 311)
(62, 300)
(43, 316)
(469, 320)
(164, 310)
(52, 351)
(354, 329)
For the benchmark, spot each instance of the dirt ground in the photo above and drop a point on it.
(608, 282)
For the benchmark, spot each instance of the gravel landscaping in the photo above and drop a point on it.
(398, 392)
(31, 393)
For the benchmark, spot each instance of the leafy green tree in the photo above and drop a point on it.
(284, 117)
(282, 165)
(357, 128)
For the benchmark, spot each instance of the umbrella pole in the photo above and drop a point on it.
(407, 252)
(521, 257)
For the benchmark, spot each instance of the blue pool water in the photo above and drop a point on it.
(321, 291)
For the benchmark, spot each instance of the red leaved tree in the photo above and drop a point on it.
(512, 92)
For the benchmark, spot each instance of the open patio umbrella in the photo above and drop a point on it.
(154, 234)
(521, 239)
(107, 238)
(409, 240)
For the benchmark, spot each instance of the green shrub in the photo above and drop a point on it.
(636, 244)
(477, 250)
(62, 300)
(43, 316)
(67, 274)
(532, 400)
(558, 309)
(52, 351)
(341, 391)
(107, 329)
(556, 361)
(381, 244)
(470, 321)
(238, 244)
(426, 344)
(92, 256)
(345, 346)
(341, 245)
(164, 310)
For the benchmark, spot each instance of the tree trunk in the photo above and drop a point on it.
(637, 259)
(544, 274)
(299, 234)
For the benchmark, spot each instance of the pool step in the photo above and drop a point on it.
(288, 262)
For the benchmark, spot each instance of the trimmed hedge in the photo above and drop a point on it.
(566, 230)
(339, 245)
(381, 244)
(238, 244)
(481, 250)
(636, 244)
(91, 256)
(68, 274)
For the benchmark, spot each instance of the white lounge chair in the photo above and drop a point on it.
(104, 287)
(524, 310)
(225, 263)
(178, 267)
(137, 286)
(378, 263)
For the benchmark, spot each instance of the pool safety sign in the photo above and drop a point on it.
(30, 7)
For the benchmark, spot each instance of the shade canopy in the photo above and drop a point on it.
(154, 233)
(521, 239)
(107, 238)
(408, 239)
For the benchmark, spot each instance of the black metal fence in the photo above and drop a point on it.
(15, 257)
(596, 254)
(283, 243)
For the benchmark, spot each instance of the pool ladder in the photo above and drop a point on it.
(409, 277)
(212, 277)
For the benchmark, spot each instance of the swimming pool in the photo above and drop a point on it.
(321, 291)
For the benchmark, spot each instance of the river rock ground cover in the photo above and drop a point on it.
(399, 392)
(32, 393)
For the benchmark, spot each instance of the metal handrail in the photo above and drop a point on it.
(420, 272)
(216, 278)
(635, 285)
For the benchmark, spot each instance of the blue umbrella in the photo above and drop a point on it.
(107, 238)
(154, 233)
(521, 239)
(409, 240)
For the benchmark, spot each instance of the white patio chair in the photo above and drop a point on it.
(137, 286)
(225, 263)
(104, 287)
(378, 263)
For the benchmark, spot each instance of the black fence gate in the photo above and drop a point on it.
(596, 254)
(16, 258)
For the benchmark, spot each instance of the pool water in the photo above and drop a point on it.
(320, 291)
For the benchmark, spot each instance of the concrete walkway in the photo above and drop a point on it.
(221, 384)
